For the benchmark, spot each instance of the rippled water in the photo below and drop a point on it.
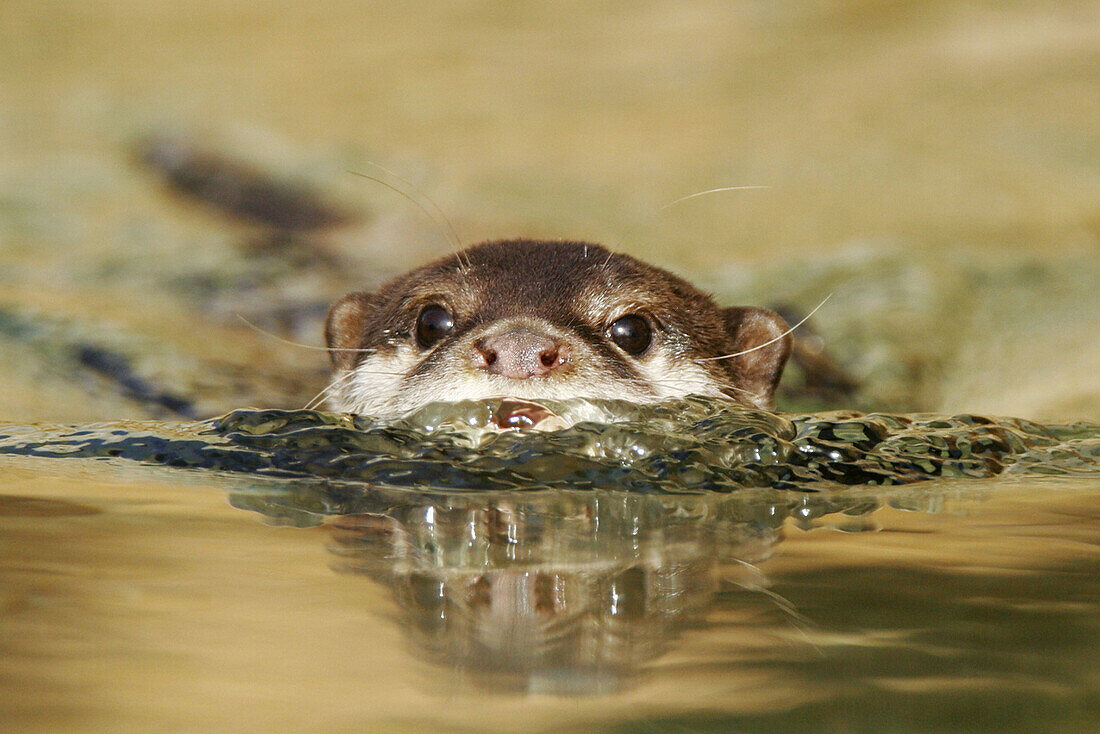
(864, 573)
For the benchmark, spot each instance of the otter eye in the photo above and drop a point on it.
(631, 333)
(433, 323)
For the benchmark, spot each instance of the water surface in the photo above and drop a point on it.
(142, 595)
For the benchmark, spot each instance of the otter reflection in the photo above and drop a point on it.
(557, 591)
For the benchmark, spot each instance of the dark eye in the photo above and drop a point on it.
(433, 323)
(631, 333)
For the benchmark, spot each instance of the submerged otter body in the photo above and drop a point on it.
(546, 320)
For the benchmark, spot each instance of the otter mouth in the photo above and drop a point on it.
(475, 420)
(518, 415)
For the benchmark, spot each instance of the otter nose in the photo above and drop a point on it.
(519, 354)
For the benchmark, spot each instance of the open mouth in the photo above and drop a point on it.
(515, 415)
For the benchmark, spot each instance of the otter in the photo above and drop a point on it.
(546, 320)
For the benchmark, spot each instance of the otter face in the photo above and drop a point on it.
(545, 320)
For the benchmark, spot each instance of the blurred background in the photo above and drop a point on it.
(933, 165)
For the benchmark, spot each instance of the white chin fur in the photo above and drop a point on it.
(378, 385)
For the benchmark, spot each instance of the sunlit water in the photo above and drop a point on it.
(929, 165)
(295, 569)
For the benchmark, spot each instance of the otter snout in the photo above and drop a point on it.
(519, 353)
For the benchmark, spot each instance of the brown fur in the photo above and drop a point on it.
(578, 288)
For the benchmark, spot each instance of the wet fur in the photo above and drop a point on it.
(569, 290)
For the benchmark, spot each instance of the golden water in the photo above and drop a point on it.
(138, 598)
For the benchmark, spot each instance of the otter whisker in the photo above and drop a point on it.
(327, 390)
(770, 341)
(796, 619)
(319, 397)
(710, 191)
(276, 337)
(439, 213)
(342, 381)
(675, 385)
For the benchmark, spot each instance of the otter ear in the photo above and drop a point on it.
(758, 336)
(344, 328)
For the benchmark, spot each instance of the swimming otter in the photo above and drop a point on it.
(546, 320)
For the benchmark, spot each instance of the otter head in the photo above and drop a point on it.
(546, 320)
